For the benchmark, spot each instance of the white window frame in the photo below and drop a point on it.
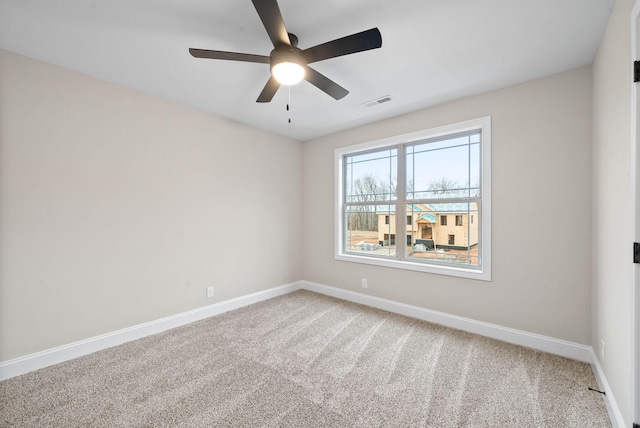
(484, 272)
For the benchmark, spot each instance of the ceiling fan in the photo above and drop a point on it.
(289, 64)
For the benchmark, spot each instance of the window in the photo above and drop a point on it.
(424, 176)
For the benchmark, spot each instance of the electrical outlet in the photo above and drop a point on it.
(602, 353)
(209, 292)
(364, 283)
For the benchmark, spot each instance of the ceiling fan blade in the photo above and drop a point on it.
(271, 18)
(269, 90)
(325, 84)
(233, 56)
(363, 41)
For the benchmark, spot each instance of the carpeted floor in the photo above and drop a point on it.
(307, 360)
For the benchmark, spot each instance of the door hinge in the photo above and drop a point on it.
(636, 71)
(636, 252)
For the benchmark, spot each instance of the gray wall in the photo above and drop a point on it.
(119, 208)
(541, 221)
(612, 205)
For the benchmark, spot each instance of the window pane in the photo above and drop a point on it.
(444, 168)
(433, 239)
(371, 176)
(370, 230)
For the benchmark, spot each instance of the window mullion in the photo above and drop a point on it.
(401, 210)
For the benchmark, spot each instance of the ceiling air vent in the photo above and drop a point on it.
(378, 101)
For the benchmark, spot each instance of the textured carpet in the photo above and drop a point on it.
(307, 360)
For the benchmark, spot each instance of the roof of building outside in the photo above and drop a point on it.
(428, 216)
(459, 207)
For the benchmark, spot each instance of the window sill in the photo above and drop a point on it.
(478, 274)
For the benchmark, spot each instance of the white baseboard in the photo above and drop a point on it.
(612, 406)
(551, 345)
(28, 363)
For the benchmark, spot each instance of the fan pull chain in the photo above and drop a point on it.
(289, 102)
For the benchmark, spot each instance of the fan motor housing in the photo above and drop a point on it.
(288, 54)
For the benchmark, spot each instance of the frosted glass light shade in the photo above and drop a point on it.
(288, 73)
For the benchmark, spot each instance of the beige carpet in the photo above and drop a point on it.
(307, 360)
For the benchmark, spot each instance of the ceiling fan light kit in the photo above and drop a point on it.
(287, 67)
(289, 64)
(288, 73)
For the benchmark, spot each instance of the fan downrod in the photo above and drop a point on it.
(293, 39)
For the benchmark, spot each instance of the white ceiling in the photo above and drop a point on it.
(432, 51)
